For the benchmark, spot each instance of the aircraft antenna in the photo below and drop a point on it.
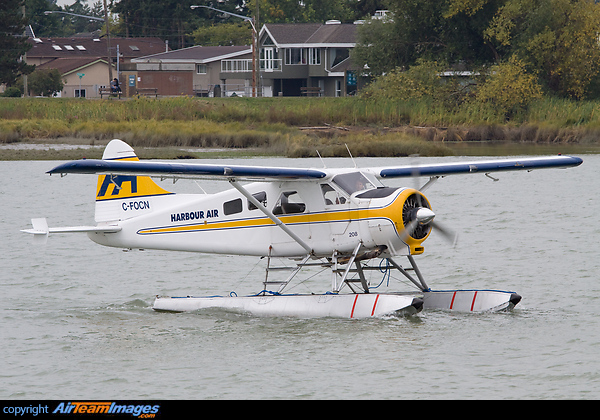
(350, 153)
(322, 161)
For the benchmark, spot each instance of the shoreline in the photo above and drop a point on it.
(72, 148)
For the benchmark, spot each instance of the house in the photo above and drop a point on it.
(303, 59)
(93, 70)
(313, 55)
(89, 56)
(195, 71)
(295, 60)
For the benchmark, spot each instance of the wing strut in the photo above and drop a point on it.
(270, 215)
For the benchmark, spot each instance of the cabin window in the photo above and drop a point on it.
(353, 182)
(331, 196)
(232, 207)
(261, 197)
(289, 203)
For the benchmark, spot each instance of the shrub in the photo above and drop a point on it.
(508, 88)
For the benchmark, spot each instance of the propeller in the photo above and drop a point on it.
(420, 217)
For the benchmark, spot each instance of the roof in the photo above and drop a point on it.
(307, 34)
(198, 54)
(72, 47)
(69, 65)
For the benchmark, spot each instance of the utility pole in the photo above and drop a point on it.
(108, 44)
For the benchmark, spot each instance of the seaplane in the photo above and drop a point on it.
(343, 221)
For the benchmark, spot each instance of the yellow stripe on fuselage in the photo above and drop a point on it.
(293, 219)
(391, 212)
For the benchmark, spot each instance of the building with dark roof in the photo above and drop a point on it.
(307, 58)
(89, 56)
(295, 60)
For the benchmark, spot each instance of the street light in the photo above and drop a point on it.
(254, 40)
(48, 12)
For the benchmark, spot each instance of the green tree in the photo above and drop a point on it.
(508, 88)
(45, 82)
(170, 20)
(224, 34)
(294, 11)
(557, 39)
(13, 44)
(428, 29)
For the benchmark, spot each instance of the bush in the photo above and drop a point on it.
(45, 82)
(424, 80)
(12, 92)
(508, 88)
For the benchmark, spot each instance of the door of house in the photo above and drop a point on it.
(269, 59)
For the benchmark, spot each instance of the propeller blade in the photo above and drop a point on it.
(408, 230)
(448, 234)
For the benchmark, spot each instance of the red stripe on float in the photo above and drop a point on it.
(374, 305)
(452, 303)
(473, 303)
(353, 305)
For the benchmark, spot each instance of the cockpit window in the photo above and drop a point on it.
(353, 182)
(332, 196)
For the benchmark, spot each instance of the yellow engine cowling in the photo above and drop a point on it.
(389, 228)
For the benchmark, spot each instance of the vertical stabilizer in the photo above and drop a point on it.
(121, 197)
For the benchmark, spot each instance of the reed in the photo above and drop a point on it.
(274, 122)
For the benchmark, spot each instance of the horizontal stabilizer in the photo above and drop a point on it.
(40, 227)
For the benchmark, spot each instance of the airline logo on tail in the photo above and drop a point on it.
(118, 187)
(112, 187)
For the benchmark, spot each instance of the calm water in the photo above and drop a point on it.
(76, 321)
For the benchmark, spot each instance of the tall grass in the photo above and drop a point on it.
(264, 122)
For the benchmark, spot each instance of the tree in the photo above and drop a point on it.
(13, 44)
(169, 20)
(45, 82)
(294, 11)
(508, 88)
(428, 29)
(557, 39)
(224, 34)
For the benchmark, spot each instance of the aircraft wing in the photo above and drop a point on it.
(183, 170)
(443, 169)
(201, 170)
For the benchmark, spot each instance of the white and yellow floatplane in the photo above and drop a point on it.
(342, 220)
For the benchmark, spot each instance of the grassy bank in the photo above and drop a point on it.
(294, 126)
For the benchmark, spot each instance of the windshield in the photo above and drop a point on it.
(353, 182)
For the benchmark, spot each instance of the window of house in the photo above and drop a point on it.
(200, 68)
(232, 207)
(80, 93)
(314, 56)
(337, 55)
(289, 202)
(338, 88)
(261, 197)
(295, 56)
